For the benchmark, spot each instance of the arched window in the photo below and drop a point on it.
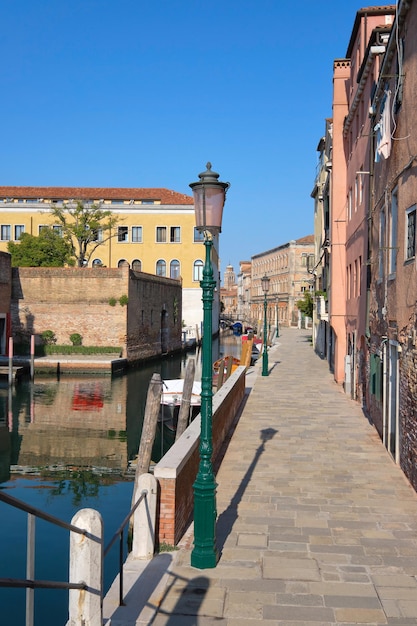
(123, 263)
(97, 263)
(198, 270)
(161, 268)
(137, 265)
(174, 269)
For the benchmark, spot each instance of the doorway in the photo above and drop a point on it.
(2, 334)
(392, 439)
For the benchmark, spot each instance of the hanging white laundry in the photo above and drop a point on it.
(383, 129)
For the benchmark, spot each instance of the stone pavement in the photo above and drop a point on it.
(316, 524)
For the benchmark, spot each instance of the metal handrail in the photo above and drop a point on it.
(47, 584)
(120, 532)
(18, 504)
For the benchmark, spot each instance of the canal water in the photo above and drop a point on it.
(70, 444)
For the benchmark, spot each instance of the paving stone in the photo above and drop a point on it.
(297, 613)
(290, 569)
(360, 616)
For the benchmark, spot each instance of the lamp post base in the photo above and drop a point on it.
(204, 554)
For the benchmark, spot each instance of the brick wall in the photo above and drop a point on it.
(5, 282)
(86, 301)
(154, 323)
(177, 470)
(408, 413)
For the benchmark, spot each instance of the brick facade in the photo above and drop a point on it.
(87, 301)
(408, 413)
(5, 295)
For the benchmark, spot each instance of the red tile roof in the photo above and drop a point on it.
(165, 196)
(307, 239)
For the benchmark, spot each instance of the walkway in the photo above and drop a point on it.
(316, 524)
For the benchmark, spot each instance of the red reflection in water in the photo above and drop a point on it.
(88, 397)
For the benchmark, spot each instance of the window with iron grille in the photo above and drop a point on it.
(411, 232)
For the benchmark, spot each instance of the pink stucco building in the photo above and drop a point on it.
(367, 184)
(353, 81)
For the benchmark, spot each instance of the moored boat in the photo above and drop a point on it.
(171, 398)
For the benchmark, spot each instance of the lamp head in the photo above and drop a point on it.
(265, 283)
(209, 198)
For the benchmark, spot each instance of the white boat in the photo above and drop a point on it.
(171, 398)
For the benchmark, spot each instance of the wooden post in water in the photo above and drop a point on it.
(184, 413)
(153, 401)
(10, 381)
(229, 366)
(248, 355)
(220, 375)
(32, 357)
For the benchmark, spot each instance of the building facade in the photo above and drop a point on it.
(289, 268)
(322, 336)
(155, 233)
(366, 48)
(393, 244)
(244, 278)
(371, 190)
(228, 294)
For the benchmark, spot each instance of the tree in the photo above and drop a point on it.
(47, 250)
(84, 227)
(306, 305)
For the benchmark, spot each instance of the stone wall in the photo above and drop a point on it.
(140, 313)
(177, 470)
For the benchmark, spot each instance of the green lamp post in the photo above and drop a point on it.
(277, 317)
(265, 288)
(209, 197)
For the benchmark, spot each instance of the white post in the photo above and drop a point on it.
(144, 518)
(86, 566)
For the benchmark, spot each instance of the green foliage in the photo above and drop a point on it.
(80, 350)
(48, 337)
(167, 547)
(76, 339)
(81, 225)
(123, 300)
(47, 250)
(112, 301)
(306, 305)
(81, 483)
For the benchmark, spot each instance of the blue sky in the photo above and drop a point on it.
(140, 93)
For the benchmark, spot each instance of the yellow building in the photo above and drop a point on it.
(155, 233)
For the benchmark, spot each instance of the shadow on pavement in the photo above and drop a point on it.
(183, 605)
(228, 517)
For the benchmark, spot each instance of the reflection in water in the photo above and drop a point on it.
(67, 444)
(85, 422)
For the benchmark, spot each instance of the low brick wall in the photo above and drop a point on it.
(177, 470)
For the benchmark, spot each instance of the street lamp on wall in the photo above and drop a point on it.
(209, 198)
(265, 288)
